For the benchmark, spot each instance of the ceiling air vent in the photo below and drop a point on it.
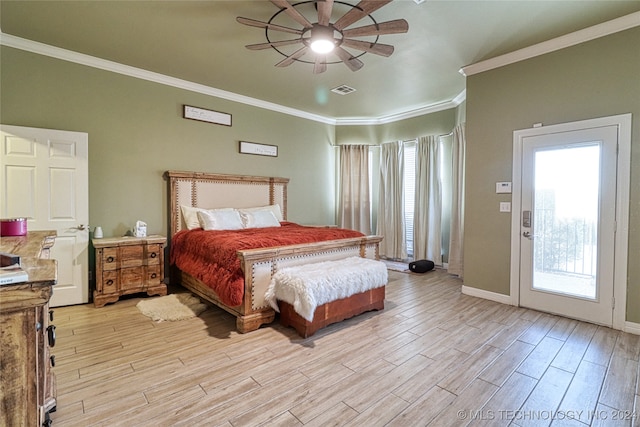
(343, 90)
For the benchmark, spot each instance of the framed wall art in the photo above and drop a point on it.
(258, 149)
(209, 116)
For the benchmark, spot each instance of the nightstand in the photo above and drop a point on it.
(128, 265)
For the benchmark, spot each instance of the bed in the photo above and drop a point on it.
(257, 266)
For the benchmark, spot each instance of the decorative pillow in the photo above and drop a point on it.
(275, 209)
(217, 219)
(259, 219)
(190, 216)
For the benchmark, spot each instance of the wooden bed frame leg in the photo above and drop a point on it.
(251, 322)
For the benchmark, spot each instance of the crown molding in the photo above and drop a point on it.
(421, 111)
(115, 67)
(600, 30)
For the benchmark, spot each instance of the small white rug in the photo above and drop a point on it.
(171, 307)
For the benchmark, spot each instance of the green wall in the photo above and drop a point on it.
(136, 132)
(593, 79)
(438, 123)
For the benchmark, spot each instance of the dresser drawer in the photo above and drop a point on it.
(153, 255)
(132, 277)
(110, 282)
(109, 258)
(154, 275)
(131, 256)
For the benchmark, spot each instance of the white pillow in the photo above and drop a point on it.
(190, 215)
(259, 219)
(218, 219)
(275, 209)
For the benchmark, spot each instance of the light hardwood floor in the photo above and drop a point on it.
(432, 357)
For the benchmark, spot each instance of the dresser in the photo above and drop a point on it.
(128, 265)
(28, 388)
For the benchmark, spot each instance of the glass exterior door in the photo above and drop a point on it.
(568, 223)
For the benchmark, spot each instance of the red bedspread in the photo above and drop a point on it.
(211, 256)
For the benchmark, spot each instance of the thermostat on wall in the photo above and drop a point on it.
(503, 187)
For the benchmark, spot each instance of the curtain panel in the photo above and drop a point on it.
(456, 239)
(427, 220)
(355, 203)
(391, 202)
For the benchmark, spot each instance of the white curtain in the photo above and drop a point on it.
(456, 247)
(391, 202)
(427, 220)
(355, 203)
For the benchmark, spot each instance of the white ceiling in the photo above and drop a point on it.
(201, 42)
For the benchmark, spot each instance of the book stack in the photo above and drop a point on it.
(11, 270)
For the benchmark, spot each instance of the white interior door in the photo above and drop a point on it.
(44, 178)
(569, 240)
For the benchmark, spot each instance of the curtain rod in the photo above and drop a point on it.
(410, 140)
(404, 142)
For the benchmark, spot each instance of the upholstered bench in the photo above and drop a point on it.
(312, 296)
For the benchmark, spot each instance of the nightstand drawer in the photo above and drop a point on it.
(131, 256)
(132, 277)
(153, 255)
(110, 282)
(109, 258)
(153, 275)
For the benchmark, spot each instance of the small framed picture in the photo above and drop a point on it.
(258, 149)
(209, 116)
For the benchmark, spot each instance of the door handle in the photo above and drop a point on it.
(81, 227)
(528, 235)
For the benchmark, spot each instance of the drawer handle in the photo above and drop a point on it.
(51, 334)
(50, 315)
(109, 282)
(153, 275)
(109, 259)
(153, 255)
(53, 360)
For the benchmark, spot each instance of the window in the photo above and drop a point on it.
(409, 186)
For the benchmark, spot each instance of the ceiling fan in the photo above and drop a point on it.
(323, 38)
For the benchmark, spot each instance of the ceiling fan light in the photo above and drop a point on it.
(322, 45)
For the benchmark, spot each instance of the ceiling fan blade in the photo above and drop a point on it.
(260, 46)
(292, 58)
(324, 11)
(320, 65)
(359, 11)
(293, 13)
(377, 48)
(354, 64)
(260, 24)
(396, 26)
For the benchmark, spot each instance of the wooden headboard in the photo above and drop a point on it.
(214, 191)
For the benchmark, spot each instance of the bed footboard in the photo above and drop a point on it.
(259, 265)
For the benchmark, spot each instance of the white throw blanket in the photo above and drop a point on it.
(308, 286)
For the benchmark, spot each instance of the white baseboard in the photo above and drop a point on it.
(632, 328)
(481, 293)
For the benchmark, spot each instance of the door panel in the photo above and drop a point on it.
(567, 249)
(44, 178)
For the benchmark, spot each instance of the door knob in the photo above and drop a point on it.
(81, 227)
(528, 235)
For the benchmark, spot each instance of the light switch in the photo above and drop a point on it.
(505, 206)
